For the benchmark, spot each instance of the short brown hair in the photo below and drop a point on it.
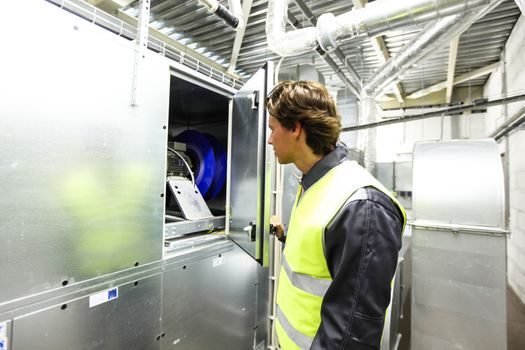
(310, 104)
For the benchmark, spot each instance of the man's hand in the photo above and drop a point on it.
(276, 227)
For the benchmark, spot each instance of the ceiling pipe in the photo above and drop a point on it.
(375, 18)
(233, 17)
(515, 121)
(284, 43)
(441, 113)
(432, 37)
(330, 62)
(338, 53)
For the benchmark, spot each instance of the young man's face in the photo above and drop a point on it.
(282, 141)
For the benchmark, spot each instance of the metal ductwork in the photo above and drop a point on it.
(284, 43)
(433, 36)
(232, 17)
(374, 19)
(368, 138)
(331, 63)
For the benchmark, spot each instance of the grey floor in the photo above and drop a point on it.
(515, 322)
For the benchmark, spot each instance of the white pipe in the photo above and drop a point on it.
(374, 19)
(287, 43)
(211, 5)
(368, 137)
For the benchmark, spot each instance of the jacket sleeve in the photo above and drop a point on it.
(361, 249)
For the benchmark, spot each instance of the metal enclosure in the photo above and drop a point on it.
(82, 170)
(82, 210)
(128, 322)
(459, 247)
(210, 303)
(396, 176)
(384, 172)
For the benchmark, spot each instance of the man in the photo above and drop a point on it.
(344, 232)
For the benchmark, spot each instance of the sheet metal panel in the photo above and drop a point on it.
(384, 173)
(82, 170)
(459, 271)
(130, 321)
(459, 182)
(262, 322)
(403, 174)
(210, 303)
(248, 172)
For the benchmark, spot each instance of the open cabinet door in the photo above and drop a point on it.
(251, 168)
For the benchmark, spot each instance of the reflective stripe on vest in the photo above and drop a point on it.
(305, 276)
(307, 283)
(302, 341)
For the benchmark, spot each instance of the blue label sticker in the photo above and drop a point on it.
(102, 297)
(112, 294)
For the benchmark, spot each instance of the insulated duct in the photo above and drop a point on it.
(284, 43)
(338, 53)
(331, 63)
(368, 137)
(374, 19)
(433, 36)
(233, 17)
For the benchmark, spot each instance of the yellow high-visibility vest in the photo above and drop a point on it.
(304, 276)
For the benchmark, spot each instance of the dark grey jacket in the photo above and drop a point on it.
(361, 248)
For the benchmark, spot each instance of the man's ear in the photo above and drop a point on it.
(296, 130)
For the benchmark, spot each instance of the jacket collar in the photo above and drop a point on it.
(324, 165)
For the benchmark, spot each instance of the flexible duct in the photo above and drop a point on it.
(432, 37)
(233, 17)
(383, 15)
(374, 19)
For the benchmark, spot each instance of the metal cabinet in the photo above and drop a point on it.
(459, 247)
(210, 303)
(127, 319)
